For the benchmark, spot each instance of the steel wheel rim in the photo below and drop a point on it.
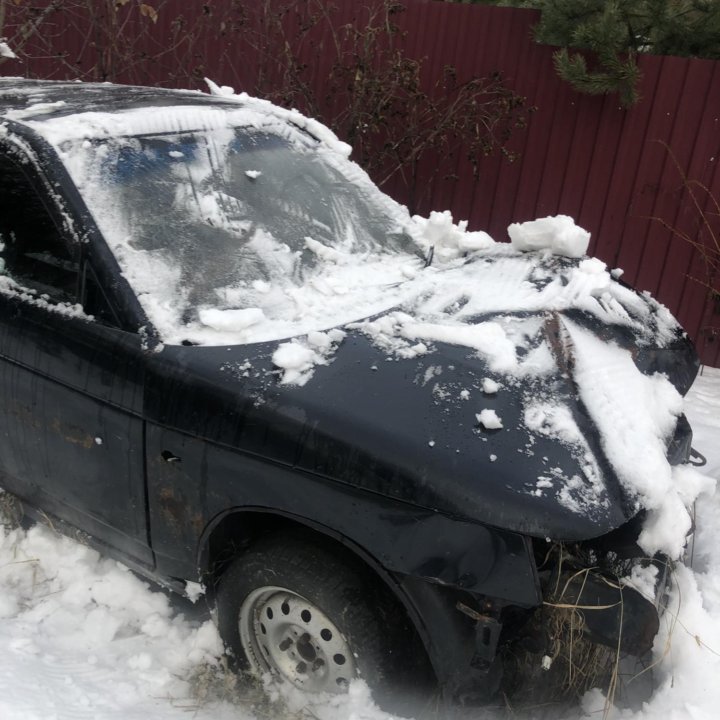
(285, 634)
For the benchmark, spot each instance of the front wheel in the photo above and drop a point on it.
(288, 635)
(312, 617)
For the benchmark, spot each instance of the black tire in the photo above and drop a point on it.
(308, 606)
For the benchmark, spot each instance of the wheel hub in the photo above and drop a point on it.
(284, 633)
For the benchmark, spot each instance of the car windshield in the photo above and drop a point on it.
(226, 229)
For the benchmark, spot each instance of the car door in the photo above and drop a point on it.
(71, 378)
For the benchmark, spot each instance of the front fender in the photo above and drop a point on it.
(190, 496)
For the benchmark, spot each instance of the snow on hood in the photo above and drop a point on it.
(440, 274)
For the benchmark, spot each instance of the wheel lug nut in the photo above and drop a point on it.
(285, 644)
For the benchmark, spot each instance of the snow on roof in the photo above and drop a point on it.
(62, 111)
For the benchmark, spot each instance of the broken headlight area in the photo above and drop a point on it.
(602, 601)
(678, 362)
(680, 446)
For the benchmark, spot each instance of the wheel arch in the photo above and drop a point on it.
(235, 530)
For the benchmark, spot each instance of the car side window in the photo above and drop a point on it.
(32, 251)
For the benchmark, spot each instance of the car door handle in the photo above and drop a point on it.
(168, 457)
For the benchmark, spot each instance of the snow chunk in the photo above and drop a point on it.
(594, 704)
(502, 344)
(553, 420)
(643, 579)
(488, 338)
(230, 320)
(489, 419)
(253, 174)
(489, 386)
(194, 591)
(297, 362)
(6, 52)
(666, 527)
(557, 233)
(324, 342)
(297, 358)
(446, 240)
(668, 523)
(594, 266)
(323, 251)
(220, 90)
(34, 109)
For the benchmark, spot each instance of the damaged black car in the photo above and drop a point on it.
(389, 448)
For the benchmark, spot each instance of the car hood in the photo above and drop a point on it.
(488, 417)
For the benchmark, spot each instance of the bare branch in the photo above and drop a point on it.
(705, 240)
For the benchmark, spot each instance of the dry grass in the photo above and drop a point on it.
(11, 511)
(217, 682)
(573, 664)
(569, 664)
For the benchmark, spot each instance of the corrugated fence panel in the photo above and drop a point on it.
(702, 168)
(500, 194)
(618, 172)
(596, 204)
(660, 242)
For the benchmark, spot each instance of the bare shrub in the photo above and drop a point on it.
(700, 205)
(353, 74)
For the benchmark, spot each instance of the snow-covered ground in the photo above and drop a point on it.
(82, 637)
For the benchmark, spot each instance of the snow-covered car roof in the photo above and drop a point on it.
(43, 99)
(40, 102)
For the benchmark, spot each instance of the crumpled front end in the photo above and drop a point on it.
(602, 597)
(601, 602)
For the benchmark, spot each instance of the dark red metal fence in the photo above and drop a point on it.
(618, 172)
